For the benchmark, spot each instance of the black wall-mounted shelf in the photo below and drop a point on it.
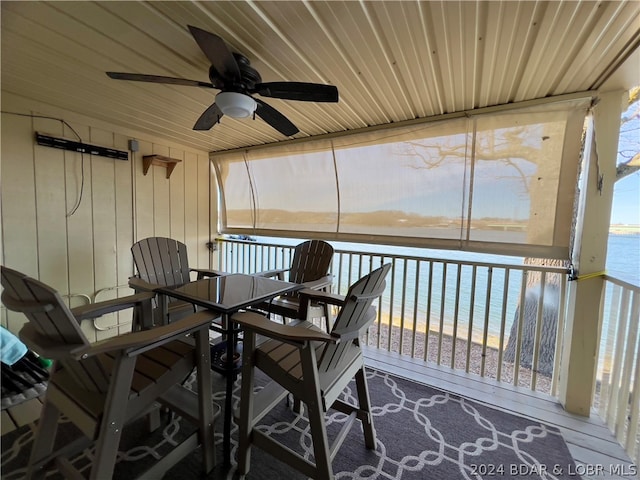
(74, 146)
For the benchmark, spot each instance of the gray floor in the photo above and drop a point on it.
(591, 443)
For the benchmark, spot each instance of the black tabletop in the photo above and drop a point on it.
(229, 293)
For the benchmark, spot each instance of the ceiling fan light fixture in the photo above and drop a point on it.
(236, 105)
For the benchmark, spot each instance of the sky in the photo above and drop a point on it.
(626, 192)
(626, 201)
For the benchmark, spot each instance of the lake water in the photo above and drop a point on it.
(623, 262)
(623, 258)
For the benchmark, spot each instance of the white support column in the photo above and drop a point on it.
(579, 360)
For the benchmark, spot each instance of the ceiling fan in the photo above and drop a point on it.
(232, 74)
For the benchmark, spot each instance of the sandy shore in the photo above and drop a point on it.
(443, 350)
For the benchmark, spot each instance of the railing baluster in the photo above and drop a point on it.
(443, 293)
(485, 327)
(454, 337)
(608, 337)
(630, 351)
(349, 270)
(472, 301)
(523, 290)
(416, 291)
(634, 414)
(503, 322)
(391, 292)
(402, 305)
(427, 323)
(616, 371)
(535, 354)
(559, 335)
(340, 260)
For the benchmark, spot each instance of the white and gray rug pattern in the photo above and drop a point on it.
(422, 433)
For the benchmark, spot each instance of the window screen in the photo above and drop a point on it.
(500, 182)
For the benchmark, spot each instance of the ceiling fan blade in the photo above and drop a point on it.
(217, 52)
(137, 77)
(275, 119)
(306, 92)
(209, 118)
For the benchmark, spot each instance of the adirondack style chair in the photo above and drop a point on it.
(315, 367)
(309, 266)
(163, 262)
(102, 386)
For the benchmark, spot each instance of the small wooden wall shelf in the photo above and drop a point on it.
(160, 160)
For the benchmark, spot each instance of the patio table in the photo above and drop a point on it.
(226, 295)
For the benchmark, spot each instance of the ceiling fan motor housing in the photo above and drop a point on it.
(235, 104)
(249, 76)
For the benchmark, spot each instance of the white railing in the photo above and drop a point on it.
(461, 314)
(617, 397)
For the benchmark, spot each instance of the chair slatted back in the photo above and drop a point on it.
(52, 324)
(161, 261)
(355, 316)
(311, 261)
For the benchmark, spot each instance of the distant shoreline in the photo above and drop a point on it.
(622, 229)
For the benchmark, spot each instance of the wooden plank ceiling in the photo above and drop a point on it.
(391, 61)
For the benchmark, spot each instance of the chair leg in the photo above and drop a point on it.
(365, 407)
(315, 412)
(246, 406)
(297, 406)
(205, 407)
(320, 440)
(153, 418)
(44, 439)
(113, 419)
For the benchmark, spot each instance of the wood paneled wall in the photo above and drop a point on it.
(84, 252)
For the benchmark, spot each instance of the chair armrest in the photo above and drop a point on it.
(25, 306)
(273, 273)
(36, 342)
(94, 310)
(205, 272)
(322, 282)
(320, 296)
(138, 342)
(139, 285)
(288, 333)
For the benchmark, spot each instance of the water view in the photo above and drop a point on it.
(450, 303)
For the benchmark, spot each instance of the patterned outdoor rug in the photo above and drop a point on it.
(422, 433)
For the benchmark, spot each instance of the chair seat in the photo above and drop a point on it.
(155, 371)
(176, 306)
(283, 363)
(284, 306)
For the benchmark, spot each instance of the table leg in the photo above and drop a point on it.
(231, 340)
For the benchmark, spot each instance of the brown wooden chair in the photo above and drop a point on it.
(309, 266)
(163, 262)
(101, 386)
(315, 367)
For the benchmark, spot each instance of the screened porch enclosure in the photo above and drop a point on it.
(500, 182)
(459, 128)
(512, 184)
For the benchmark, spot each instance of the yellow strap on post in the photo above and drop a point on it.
(591, 275)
